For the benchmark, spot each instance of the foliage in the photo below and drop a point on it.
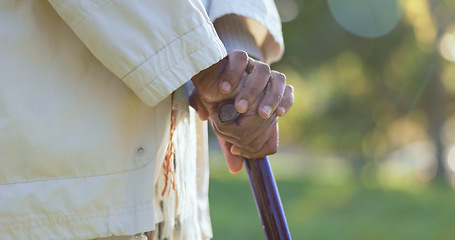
(364, 98)
(373, 122)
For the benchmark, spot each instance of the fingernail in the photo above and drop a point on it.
(235, 152)
(243, 105)
(267, 110)
(226, 86)
(281, 110)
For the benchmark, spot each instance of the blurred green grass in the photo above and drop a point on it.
(344, 210)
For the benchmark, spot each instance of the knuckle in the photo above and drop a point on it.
(276, 97)
(290, 88)
(243, 56)
(252, 91)
(229, 75)
(289, 102)
(263, 68)
(280, 77)
(239, 57)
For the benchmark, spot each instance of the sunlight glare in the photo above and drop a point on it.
(367, 18)
(451, 158)
(288, 9)
(415, 161)
(447, 46)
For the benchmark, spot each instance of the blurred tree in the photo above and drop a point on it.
(362, 98)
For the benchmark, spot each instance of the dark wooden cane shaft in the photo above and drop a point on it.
(267, 199)
(263, 186)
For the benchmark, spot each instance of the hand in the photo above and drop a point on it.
(218, 82)
(255, 134)
(251, 136)
(242, 77)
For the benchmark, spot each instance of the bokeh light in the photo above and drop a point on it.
(414, 162)
(448, 78)
(350, 74)
(367, 18)
(447, 45)
(418, 13)
(372, 129)
(451, 158)
(406, 130)
(288, 9)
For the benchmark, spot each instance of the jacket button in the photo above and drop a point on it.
(140, 151)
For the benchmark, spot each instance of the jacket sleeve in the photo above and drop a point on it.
(261, 18)
(154, 46)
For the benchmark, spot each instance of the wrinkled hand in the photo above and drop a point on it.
(260, 94)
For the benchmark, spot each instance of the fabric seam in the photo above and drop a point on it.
(162, 49)
(178, 61)
(89, 12)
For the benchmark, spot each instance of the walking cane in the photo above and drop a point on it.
(263, 186)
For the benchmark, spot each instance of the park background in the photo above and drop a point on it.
(368, 149)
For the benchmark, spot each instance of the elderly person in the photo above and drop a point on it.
(96, 135)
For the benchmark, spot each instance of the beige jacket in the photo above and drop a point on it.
(85, 108)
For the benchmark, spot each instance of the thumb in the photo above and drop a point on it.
(234, 162)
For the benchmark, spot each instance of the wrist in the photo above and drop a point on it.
(235, 33)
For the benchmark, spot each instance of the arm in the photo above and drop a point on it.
(261, 19)
(236, 32)
(251, 135)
